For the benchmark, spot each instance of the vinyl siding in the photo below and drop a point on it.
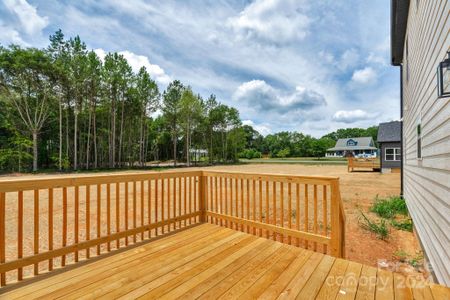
(427, 180)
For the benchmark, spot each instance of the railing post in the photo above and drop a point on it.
(335, 220)
(202, 194)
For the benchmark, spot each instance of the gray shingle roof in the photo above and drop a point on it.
(389, 132)
(361, 143)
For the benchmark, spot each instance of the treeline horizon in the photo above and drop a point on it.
(64, 108)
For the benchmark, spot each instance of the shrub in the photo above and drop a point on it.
(250, 153)
(379, 228)
(388, 208)
(283, 153)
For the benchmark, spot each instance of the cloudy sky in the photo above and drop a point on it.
(306, 65)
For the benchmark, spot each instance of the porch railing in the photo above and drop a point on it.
(53, 222)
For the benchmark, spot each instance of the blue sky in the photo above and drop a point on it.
(310, 66)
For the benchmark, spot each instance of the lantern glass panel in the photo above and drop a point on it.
(446, 79)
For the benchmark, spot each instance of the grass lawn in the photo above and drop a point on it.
(298, 160)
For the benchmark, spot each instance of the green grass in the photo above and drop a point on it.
(298, 160)
(388, 208)
(405, 225)
(379, 228)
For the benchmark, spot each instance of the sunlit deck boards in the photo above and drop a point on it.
(209, 262)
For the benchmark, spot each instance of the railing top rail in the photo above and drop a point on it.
(59, 181)
(271, 176)
(24, 184)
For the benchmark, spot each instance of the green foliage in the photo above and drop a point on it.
(379, 228)
(283, 153)
(405, 225)
(388, 208)
(250, 154)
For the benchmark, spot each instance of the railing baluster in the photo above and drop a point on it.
(99, 214)
(175, 202)
(50, 226)
(185, 197)
(2, 235)
(76, 216)
(108, 214)
(149, 213)
(282, 208)
(226, 199)
(274, 203)
(195, 198)
(142, 208)
(134, 209)
(260, 205)
(315, 215)
(162, 204)
(88, 218)
(242, 202)
(190, 198)
(254, 203)
(36, 228)
(290, 211)
(64, 233)
(126, 211)
(156, 205)
(216, 207)
(306, 214)
(248, 203)
(168, 203)
(179, 200)
(267, 208)
(297, 210)
(117, 212)
(221, 199)
(19, 233)
(325, 214)
(237, 201)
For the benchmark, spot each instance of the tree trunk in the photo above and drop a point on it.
(35, 151)
(95, 138)
(174, 150)
(121, 135)
(88, 144)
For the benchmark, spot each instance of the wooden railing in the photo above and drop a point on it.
(368, 163)
(54, 222)
(304, 211)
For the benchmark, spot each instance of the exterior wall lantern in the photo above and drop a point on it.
(444, 77)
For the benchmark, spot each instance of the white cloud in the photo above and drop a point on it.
(272, 20)
(364, 76)
(32, 23)
(9, 35)
(352, 116)
(138, 61)
(348, 59)
(261, 128)
(260, 95)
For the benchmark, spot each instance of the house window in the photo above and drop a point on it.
(351, 143)
(393, 154)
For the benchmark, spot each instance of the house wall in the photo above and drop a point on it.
(387, 163)
(427, 180)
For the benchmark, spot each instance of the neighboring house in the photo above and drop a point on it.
(389, 140)
(419, 43)
(357, 147)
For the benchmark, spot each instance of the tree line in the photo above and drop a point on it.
(64, 108)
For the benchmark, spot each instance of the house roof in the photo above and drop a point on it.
(361, 143)
(389, 132)
(399, 18)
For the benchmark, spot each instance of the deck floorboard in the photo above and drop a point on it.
(210, 262)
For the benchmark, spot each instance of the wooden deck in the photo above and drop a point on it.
(208, 261)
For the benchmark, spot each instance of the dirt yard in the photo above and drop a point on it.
(358, 191)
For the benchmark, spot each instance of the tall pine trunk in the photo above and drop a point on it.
(35, 150)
